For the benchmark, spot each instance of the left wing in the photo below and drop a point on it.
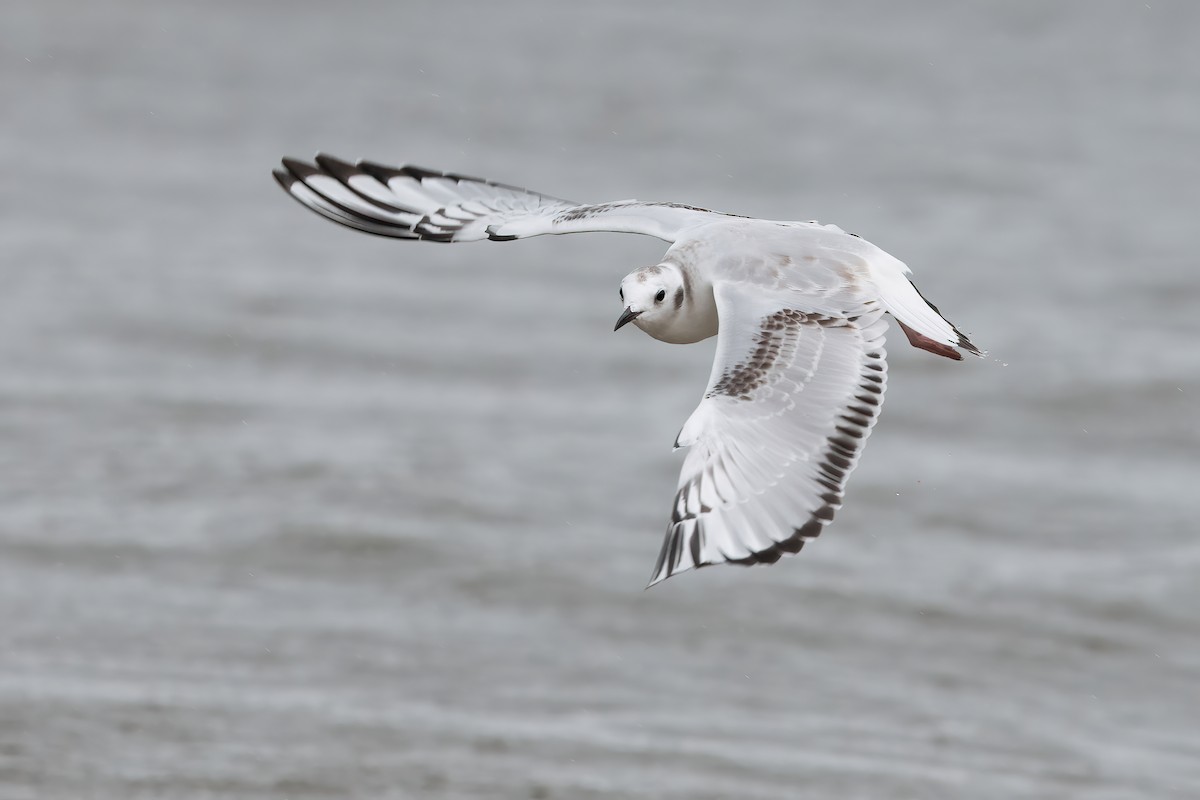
(414, 203)
(793, 395)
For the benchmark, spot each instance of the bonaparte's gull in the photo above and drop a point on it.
(798, 311)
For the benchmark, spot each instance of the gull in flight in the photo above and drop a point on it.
(798, 309)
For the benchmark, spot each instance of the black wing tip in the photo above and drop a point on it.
(380, 172)
(337, 168)
(786, 547)
(420, 173)
(659, 574)
(324, 163)
(385, 172)
(284, 179)
(768, 555)
(299, 168)
(342, 170)
(294, 171)
(964, 343)
(499, 237)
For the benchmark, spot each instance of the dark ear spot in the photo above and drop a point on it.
(678, 298)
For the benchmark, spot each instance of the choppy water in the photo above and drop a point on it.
(287, 512)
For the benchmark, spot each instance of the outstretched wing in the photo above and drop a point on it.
(793, 396)
(414, 203)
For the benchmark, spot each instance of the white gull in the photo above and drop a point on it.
(797, 307)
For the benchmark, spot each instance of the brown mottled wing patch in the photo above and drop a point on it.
(416, 203)
(777, 332)
(776, 335)
(793, 397)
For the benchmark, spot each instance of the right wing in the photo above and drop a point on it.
(414, 203)
(793, 396)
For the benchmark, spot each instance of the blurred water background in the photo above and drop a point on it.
(292, 512)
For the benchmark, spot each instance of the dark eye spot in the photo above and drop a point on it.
(621, 292)
(662, 295)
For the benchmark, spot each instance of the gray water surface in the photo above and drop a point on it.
(290, 512)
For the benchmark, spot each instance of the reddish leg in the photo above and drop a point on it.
(925, 343)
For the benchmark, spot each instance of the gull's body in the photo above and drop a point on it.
(798, 309)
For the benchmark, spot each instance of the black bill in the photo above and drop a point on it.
(626, 317)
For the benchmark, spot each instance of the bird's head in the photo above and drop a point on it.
(653, 298)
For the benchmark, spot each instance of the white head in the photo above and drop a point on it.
(655, 299)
